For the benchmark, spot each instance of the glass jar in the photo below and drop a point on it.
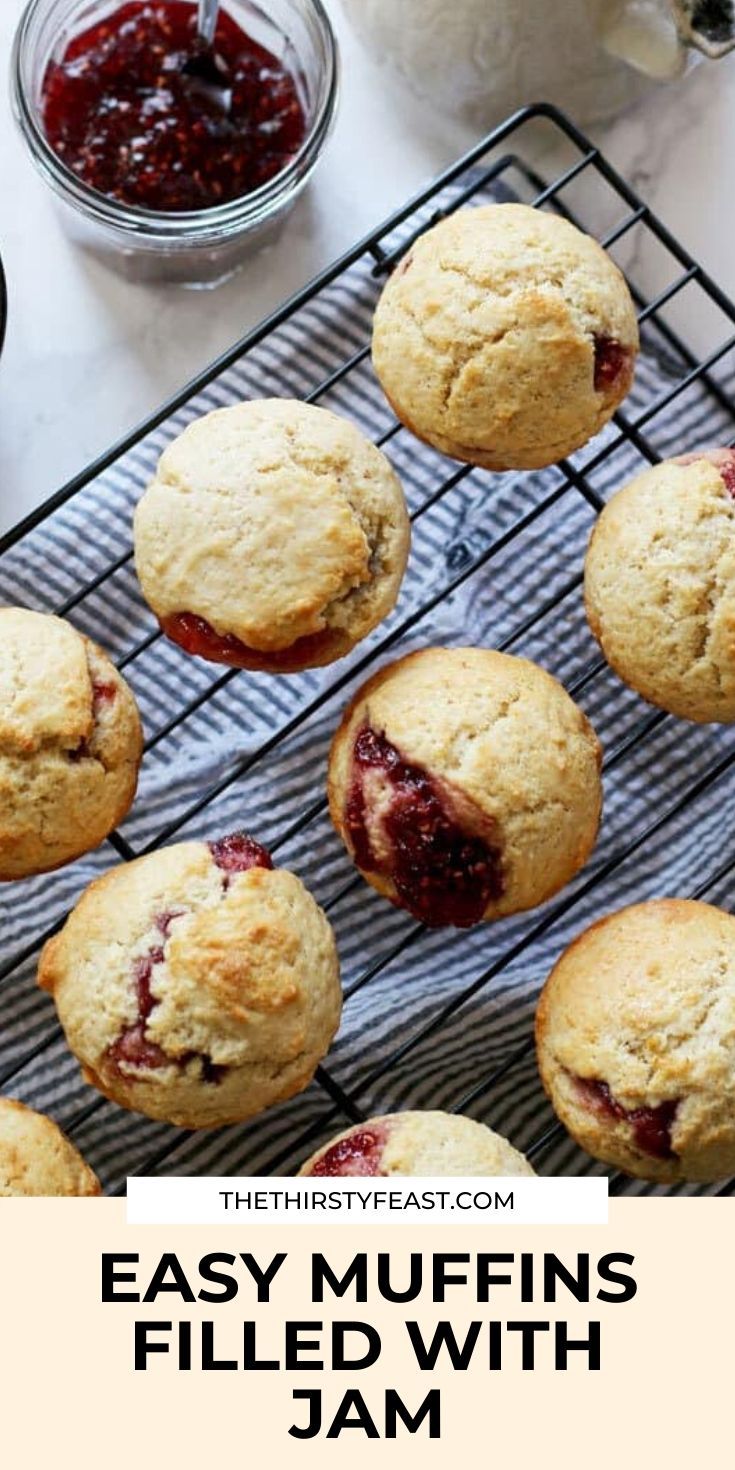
(197, 247)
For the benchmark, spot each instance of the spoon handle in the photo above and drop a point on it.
(207, 20)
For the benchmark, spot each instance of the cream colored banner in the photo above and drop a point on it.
(70, 1391)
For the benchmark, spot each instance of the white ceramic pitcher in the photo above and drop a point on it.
(481, 59)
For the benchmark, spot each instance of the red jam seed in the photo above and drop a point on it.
(122, 114)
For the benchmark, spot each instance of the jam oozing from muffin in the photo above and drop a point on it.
(724, 461)
(195, 635)
(164, 920)
(237, 853)
(442, 874)
(121, 111)
(727, 473)
(133, 1048)
(103, 692)
(359, 1153)
(651, 1126)
(613, 361)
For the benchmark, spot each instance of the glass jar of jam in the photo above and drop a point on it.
(167, 169)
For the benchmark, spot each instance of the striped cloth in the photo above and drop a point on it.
(511, 548)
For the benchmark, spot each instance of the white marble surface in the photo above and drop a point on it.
(87, 355)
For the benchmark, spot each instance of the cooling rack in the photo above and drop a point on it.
(432, 1018)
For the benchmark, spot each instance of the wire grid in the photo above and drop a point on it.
(423, 1034)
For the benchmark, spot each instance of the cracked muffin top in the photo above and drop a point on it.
(70, 744)
(36, 1158)
(274, 536)
(196, 984)
(505, 337)
(465, 784)
(660, 585)
(422, 1144)
(635, 1034)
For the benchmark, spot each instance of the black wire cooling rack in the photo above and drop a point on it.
(432, 1018)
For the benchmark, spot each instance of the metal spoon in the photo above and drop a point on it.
(206, 69)
(207, 13)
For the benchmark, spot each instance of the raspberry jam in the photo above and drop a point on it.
(613, 363)
(132, 1048)
(651, 1126)
(723, 459)
(238, 852)
(727, 474)
(195, 635)
(359, 1153)
(103, 692)
(441, 874)
(122, 114)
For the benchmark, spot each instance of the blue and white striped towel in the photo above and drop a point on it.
(529, 531)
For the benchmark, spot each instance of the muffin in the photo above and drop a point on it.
(419, 1144)
(465, 784)
(660, 585)
(505, 337)
(196, 984)
(635, 1032)
(36, 1158)
(273, 537)
(70, 744)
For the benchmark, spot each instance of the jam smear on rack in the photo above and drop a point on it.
(359, 1153)
(651, 1126)
(442, 874)
(121, 112)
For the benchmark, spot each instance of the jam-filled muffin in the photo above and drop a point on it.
(70, 744)
(420, 1144)
(36, 1158)
(465, 784)
(197, 984)
(505, 337)
(635, 1034)
(660, 585)
(273, 537)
